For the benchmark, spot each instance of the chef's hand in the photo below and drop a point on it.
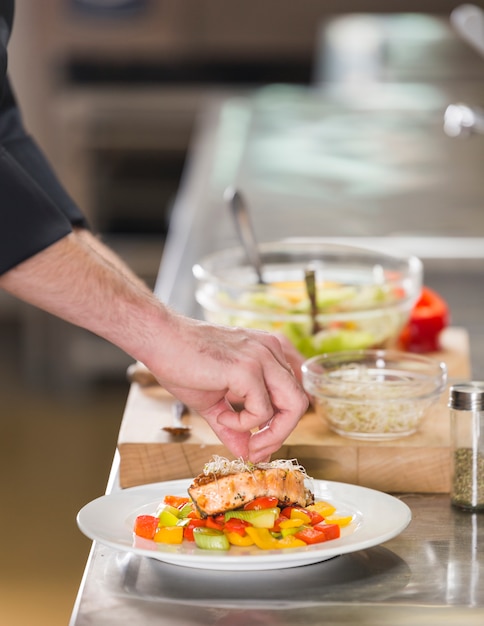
(213, 365)
(204, 365)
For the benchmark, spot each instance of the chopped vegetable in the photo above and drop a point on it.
(368, 315)
(189, 528)
(169, 534)
(311, 535)
(216, 522)
(176, 501)
(341, 520)
(263, 518)
(167, 517)
(234, 525)
(429, 317)
(210, 539)
(239, 540)
(266, 502)
(265, 541)
(297, 513)
(268, 528)
(145, 526)
(322, 507)
(332, 531)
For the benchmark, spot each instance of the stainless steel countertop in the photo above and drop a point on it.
(433, 573)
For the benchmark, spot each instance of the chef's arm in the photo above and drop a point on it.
(202, 364)
(83, 282)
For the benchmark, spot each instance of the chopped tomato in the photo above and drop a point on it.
(145, 526)
(429, 317)
(234, 525)
(176, 501)
(188, 529)
(264, 502)
(332, 531)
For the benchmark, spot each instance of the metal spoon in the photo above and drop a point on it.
(310, 280)
(245, 230)
(177, 428)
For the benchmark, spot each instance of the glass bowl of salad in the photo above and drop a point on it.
(363, 297)
(374, 394)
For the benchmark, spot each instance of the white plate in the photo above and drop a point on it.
(378, 517)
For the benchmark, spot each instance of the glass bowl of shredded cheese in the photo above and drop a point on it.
(374, 394)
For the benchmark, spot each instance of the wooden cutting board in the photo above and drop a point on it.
(419, 463)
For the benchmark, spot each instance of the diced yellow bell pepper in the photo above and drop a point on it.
(265, 541)
(262, 538)
(291, 531)
(291, 523)
(169, 534)
(240, 540)
(299, 516)
(322, 507)
(290, 542)
(341, 520)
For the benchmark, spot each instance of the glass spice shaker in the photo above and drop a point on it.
(466, 403)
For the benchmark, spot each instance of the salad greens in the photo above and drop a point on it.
(352, 316)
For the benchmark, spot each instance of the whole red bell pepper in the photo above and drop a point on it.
(428, 319)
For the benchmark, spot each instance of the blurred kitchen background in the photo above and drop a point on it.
(112, 90)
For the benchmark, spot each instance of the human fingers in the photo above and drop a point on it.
(279, 346)
(235, 440)
(270, 438)
(263, 384)
(292, 355)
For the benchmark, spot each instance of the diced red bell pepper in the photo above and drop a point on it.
(217, 522)
(429, 317)
(332, 531)
(302, 513)
(315, 517)
(145, 526)
(234, 525)
(276, 528)
(188, 529)
(311, 535)
(176, 501)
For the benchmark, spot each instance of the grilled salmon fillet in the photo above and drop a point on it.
(227, 485)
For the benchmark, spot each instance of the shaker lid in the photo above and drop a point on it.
(467, 396)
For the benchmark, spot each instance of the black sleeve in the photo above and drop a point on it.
(35, 210)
